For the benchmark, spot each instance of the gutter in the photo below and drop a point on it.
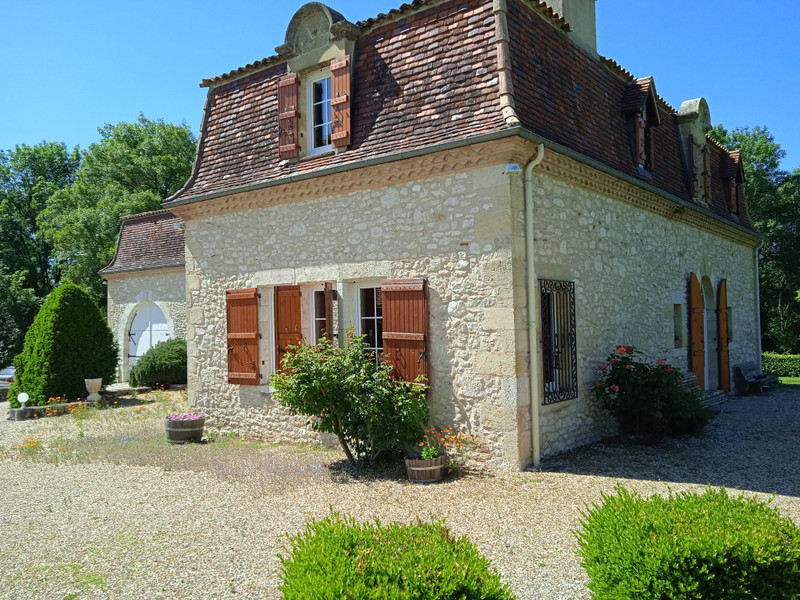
(757, 294)
(533, 347)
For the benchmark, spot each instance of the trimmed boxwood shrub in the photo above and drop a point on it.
(710, 546)
(782, 365)
(164, 363)
(69, 341)
(339, 559)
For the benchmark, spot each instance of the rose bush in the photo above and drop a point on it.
(648, 399)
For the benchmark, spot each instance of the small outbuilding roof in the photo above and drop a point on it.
(150, 240)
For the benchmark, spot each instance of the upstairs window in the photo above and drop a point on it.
(320, 122)
(640, 102)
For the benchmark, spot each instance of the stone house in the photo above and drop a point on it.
(470, 185)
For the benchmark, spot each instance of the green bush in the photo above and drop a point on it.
(352, 395)
(339, 559)
(782, 365)
(69, 341)
(688, 546)
(164, 363)
(648, 399)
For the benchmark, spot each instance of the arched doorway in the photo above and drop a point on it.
(710, 334)
(149, 326)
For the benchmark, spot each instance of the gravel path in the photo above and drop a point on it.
(111, 516)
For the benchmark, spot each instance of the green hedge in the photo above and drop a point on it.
(710, 546)
(339, 559)
(69, 341)
(782, 365)
(164, 363)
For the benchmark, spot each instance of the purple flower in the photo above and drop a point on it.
(186, 417)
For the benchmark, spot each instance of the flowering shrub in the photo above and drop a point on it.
(648, 399)
(186, 417)
(438, 441)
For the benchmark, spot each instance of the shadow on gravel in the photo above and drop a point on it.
(751, 443)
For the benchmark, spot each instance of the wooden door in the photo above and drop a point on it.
(722, 336)
(288, 327)
(697, 343)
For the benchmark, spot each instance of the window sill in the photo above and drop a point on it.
(313, 156)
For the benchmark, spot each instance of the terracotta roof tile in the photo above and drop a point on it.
(148, 241)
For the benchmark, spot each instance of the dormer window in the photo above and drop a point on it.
(320, 123)
(640, 102)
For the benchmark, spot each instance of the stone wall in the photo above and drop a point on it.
(630, 267)
(128, 292)
(453, 230)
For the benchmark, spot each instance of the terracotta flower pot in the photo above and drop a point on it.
(421, 470)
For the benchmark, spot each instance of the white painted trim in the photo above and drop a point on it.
(310, 149)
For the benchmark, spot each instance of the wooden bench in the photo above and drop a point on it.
(710, 398)
(747, 376)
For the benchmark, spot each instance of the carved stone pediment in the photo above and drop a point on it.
(314, 26)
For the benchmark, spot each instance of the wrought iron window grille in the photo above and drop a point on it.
(559, 345)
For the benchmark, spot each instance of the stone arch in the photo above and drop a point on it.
(309, 28)
(146, 324)
(710, 333)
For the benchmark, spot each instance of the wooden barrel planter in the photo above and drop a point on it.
(183, 431)
(429, 470)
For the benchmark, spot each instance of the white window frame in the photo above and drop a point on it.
(358, 315)
(311, 150)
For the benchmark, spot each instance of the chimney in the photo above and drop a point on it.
(580, 16)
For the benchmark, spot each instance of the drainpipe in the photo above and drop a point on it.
(757, 294)
(533, 346)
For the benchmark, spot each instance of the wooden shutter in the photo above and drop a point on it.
(641, 147)
(722, 336)
(288, 327)
(693, 166)
(340, 101)
(405, 327)
(243, 336)
(288, 117)
(707, 171)
(328, 311)
(696, 339)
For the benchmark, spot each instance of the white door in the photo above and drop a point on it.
(149, 327)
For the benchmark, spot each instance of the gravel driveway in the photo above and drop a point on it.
(107, 510)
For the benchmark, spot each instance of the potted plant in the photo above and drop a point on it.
(186, 427)
(440, 449)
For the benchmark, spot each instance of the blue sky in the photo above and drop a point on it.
(69, 67)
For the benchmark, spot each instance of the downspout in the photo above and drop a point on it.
(757, 294)
(533, 346)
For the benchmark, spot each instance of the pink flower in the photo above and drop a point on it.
(680, 381)
(661, 361)
(629, 367)
(603, 368)
(615, 388)
(614, 360)
(622, 349)
(669, 369)
(688, 390)
(598, 384)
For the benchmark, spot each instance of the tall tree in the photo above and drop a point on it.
(773, 197)
(18, 307)
(29, 176)
(131, 169)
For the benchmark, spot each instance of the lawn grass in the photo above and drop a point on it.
(790, 380)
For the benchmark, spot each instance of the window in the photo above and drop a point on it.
(370, 314)
(677, 323)
(559, 355)
(320, 122)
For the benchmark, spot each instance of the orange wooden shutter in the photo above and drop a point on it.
(340, 101)
(288, 329)
(722, 336)
(696, 340)
(405, 327)
(707, 171)
(693, 166)
(641, 152)
(328, 311)
(288, 117)
(242, 308)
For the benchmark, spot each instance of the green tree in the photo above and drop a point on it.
(29, 177)
(130, 170)
(773, 198)
(18, 307)
(69, 341)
